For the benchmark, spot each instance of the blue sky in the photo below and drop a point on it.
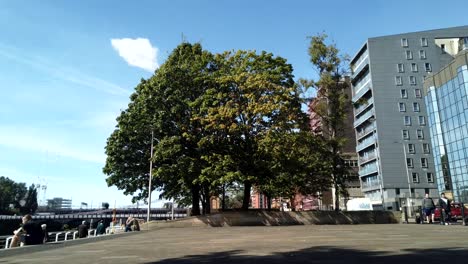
(63, 80)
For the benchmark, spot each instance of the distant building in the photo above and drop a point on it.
(349, 155)
(446, 97)
(58, 203)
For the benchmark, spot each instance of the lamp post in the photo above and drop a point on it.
(149, 184)
(407, 175)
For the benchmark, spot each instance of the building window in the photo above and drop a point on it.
(402, 107)
(412, 80)
(430, 177)
(424, 162)
(422, 54)
(407, 120)
(409, 55)
(417, 93)
(420, 134)
(401, 67)
(426, 148)
(409, 162)
(422, 120)
(442, 46)
(415, 177)
(416, 107)
(414, 67)
(398, 80)
(424, 42)
(403, 93)
(411, 148)
(405, 134)
(404, 42)
(428, 67)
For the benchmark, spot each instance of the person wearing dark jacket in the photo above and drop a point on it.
(445, 206)
(83, 230)
(30, 233)
(100, 229)
(428, 207)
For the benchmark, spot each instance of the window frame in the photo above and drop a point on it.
(398, 80)
(405, 119)
(416, 107)
(411, 148)
(401, 107)
(424, 42)
(409, 163)
(417, 93)
(415, 180)
(426, 150)
(414, 67)
(423, 118)
(405, 134)
(412, 80)
(409, 55)
(424, 163)
(404, 42)
(420, 134)
(428, 69)
(404, 93)
(402, 68)
(431, 180)
(422, 54)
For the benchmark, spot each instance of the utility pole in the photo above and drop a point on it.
(150, 178)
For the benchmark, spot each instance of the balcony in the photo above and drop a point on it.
(364, 106)
(365, 131)
(368, 169)
(370, 185)
(363, 118)
(369, 157)
(360, 64)
(362, 90)
(366, 143)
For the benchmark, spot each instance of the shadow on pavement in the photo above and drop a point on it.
(330, 255)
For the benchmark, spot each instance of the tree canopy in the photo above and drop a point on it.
(16, 197)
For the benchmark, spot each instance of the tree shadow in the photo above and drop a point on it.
(329, 255)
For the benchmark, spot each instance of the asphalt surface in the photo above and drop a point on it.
(397, 243)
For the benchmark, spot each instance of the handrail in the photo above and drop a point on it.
(8, 241)
(57, 236)
(66, 235)
(74, 235)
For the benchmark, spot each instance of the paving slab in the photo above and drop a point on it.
(397, 243)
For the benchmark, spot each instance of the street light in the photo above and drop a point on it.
(149, 184)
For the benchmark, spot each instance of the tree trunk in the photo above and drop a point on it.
(269, 202)
(196, 200)
(223, 206)
(337, 197)
(246, 199)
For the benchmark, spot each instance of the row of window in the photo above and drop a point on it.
(419, 135)
(414, 67)
(404, 42)
(429, 177)
(409, 54)
(402, 107)
(351, 163)
(412, 80)
(404, 93)
(410, 164)
(421, 120)
(412, 148)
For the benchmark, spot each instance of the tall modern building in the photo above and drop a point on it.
(446, 96)
(392, 134)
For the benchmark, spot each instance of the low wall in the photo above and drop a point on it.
(275, 218)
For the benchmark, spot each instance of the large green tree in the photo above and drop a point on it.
(16, 197)
(162, 105)
(332, 106)
(254, 94)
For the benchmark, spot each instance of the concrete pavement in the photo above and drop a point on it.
(396, 243)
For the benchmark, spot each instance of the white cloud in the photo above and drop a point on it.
(31, 139)
(137, 52)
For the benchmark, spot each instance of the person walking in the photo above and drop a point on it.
(428, 208)
(445, 206)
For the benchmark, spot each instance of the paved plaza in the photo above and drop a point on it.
(397, 243)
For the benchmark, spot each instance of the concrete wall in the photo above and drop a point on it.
(275, 218)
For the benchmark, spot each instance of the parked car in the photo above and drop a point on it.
(455, 212)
